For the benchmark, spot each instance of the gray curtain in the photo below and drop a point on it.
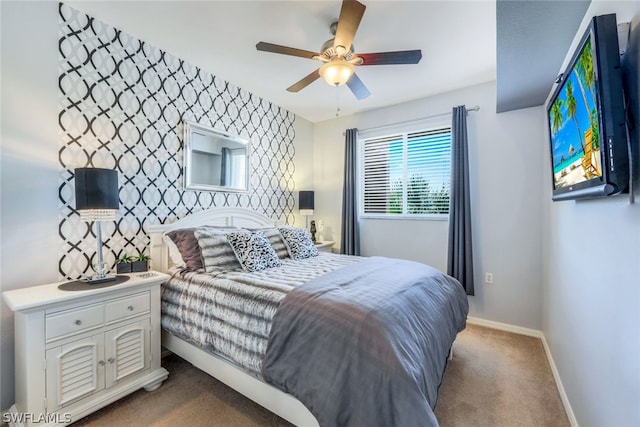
(350, 234)
(460, 258)
(225, 169)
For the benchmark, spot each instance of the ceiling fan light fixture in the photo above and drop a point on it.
(337, 72)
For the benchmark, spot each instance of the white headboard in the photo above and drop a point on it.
(238, 217)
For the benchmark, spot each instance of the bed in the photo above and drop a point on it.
(288, 330)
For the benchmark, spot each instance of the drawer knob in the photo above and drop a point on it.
(78, 322)
(130, 308)
(111, 360)
(101, 363)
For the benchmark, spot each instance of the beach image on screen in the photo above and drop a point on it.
(573, 116)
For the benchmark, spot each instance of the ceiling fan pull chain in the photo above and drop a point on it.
(337, 100)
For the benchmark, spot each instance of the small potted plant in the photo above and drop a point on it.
(123, 264)
(140, 263)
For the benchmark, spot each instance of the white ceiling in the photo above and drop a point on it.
(457, 39)
(533, 38)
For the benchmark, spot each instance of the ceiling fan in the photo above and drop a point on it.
(338, 54)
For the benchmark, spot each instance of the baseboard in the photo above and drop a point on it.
(556, 375)
(504, 327)
(536, 334)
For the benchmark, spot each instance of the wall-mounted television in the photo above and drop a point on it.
(586, 121)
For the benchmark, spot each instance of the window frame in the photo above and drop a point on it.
(402, 130)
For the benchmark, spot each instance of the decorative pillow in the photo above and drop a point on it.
(253, 250)
(298, 242)
(188, 248)
(185, 250)
(216, 252)
(174, 252)
(275, 239)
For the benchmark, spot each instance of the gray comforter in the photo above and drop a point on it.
(367, 345)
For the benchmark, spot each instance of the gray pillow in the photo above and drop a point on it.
(298, 242)
(253, 250)
(216, 253)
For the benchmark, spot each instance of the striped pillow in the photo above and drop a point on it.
(276, 240)
(217, 254)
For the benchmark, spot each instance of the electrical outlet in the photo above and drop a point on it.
(488, 278)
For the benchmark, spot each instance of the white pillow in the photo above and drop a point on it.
(174, 253)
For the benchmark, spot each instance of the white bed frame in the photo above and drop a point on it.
(276, 401)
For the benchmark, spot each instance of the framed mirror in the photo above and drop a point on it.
(215, 160)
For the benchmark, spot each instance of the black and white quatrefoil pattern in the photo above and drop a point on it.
(121, 106)
(253, 250)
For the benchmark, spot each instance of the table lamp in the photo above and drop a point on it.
(305, 204)
(97, 200)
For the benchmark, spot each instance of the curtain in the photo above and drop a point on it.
(460, 256)
(225, 169)
(350, 235)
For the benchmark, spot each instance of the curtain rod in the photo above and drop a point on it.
(475, 108)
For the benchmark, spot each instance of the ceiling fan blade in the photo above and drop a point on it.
(306, 81)
(350, 17)
(389, 58)
(285, 50)
(357, 87)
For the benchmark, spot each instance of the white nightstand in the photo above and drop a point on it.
(324, 246)
(79, 350)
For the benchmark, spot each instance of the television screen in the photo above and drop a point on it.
(575, 124)
(586, 119)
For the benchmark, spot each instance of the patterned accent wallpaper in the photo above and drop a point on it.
(122, 103)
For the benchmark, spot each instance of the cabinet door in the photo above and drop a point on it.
(127, 351)
(74, 371)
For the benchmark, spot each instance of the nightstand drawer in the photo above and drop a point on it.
(72, 321)
(126, 307)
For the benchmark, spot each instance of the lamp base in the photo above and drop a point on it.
(95, 279)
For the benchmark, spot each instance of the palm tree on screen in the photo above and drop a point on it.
(585, 64)
(556, 116)
(584, 94)
(571, 109)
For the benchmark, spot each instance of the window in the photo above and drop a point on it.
(406, 174)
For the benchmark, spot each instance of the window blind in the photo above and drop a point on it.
(406, 173)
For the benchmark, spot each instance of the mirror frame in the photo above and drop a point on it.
(189, 128)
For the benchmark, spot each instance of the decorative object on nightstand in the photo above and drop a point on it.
(81, 348)
(305, 204)
(97, 200)
(131, 264)
(324, 246)
(140, 263)
(313, 231)
(123, 264)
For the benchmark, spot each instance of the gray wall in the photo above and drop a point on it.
(506, 160)
(591, 314)
(28, 160)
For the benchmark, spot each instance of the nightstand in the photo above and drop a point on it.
(324, 246)
(81, 349)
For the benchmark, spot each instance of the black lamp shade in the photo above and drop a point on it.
(305, 200)
(96, 188)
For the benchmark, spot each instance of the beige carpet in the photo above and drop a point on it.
(495, 379)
